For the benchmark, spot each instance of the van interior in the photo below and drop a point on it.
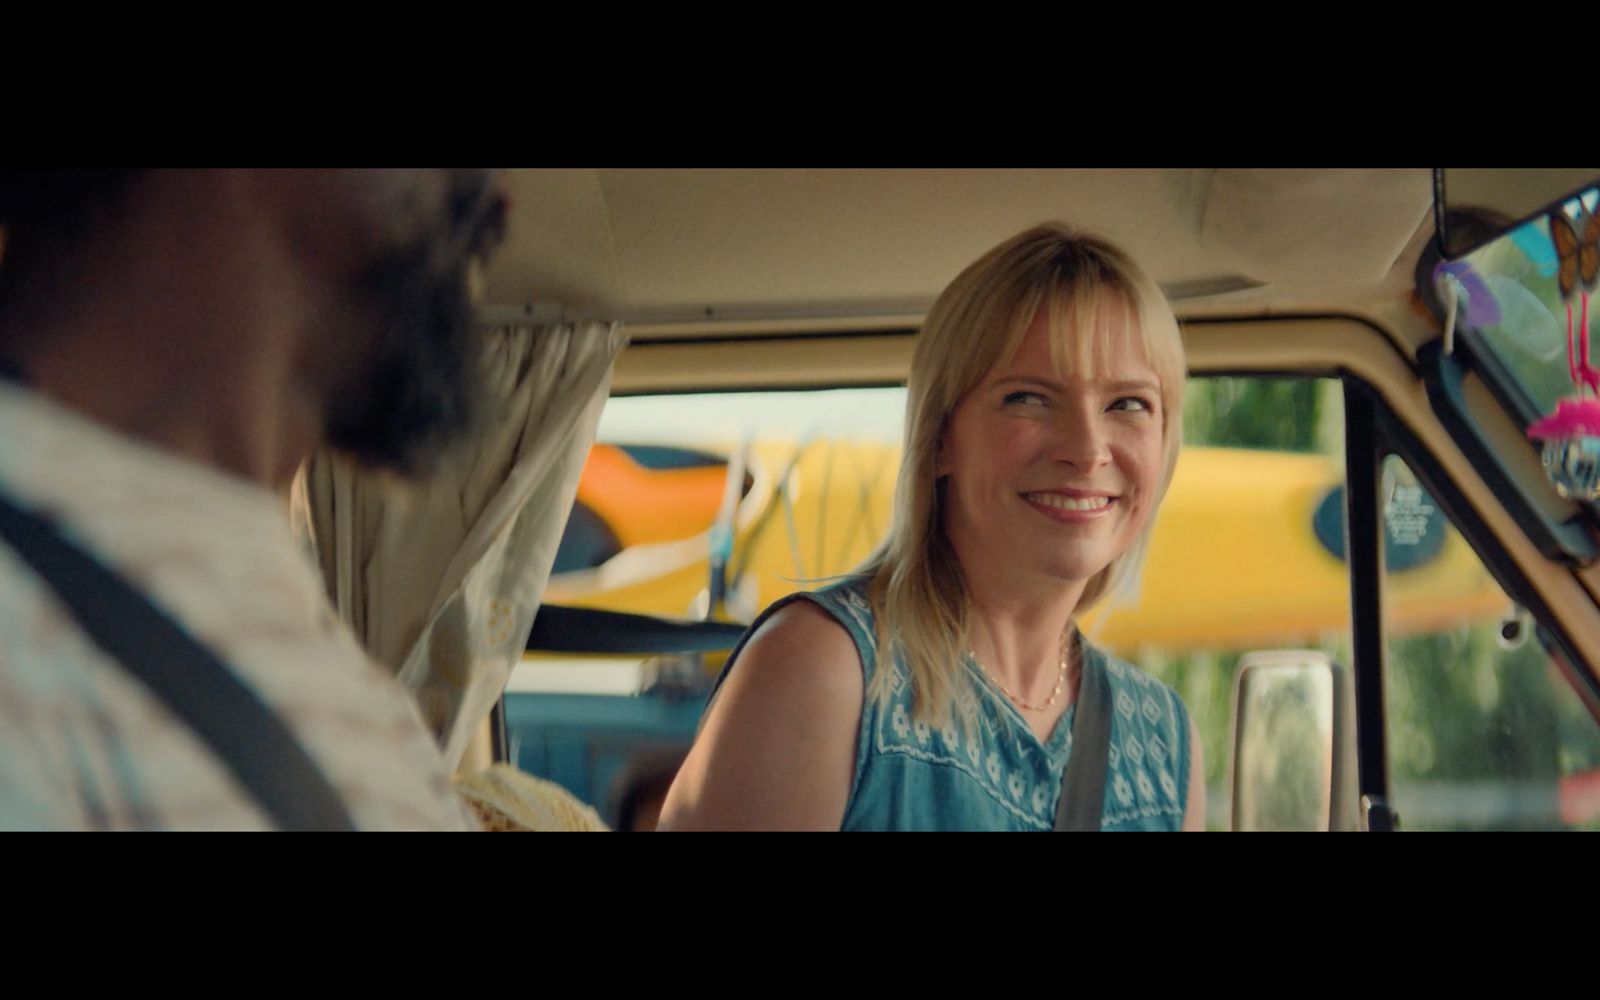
(1381, 607)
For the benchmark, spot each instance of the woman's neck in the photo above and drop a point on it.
(1017, 631)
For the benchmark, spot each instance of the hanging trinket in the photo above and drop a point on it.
(1571, 435)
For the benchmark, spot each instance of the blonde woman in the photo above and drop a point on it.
(935, 689)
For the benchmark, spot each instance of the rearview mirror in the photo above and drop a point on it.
(1512, 193)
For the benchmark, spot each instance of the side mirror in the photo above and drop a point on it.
(1293, 765)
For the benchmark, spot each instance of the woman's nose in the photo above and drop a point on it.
(1080, 442)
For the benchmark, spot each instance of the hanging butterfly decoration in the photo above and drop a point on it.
(1571, 434)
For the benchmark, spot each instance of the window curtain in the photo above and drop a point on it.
(440, 579)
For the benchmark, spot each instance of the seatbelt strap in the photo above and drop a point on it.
(247, 736)
(1083, 785)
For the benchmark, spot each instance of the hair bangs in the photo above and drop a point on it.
(1092, 316)
(1087, 327)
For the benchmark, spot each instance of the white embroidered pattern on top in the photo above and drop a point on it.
(1133, 749)
(1012, 774)
(1124, 791)
(1125, 705)
(1169, 785)
(899, 732)
(1158, 749)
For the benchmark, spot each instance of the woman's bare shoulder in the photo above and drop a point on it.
(778, 747)
(803, 634)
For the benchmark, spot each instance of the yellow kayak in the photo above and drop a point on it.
(1246, 551)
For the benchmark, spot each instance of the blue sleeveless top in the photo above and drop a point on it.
(912, 776)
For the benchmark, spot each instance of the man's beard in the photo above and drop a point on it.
(420, 387)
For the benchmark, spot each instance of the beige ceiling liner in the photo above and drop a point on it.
(685, 244)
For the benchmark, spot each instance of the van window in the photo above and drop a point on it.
(1484, 732)
(1248, 551)
(1248, 554)
(815, 478)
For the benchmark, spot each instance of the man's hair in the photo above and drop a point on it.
(35, 197)
(44, 213)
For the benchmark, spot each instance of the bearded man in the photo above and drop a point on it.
(173, 344)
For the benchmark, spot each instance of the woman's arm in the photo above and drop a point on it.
(778, 749)
(1194, 814)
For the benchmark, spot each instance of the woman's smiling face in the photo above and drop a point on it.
(1053, 473)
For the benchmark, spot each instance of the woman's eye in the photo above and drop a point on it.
(1133, 404)
(1024, 399)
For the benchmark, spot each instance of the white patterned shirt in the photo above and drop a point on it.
(84, 745)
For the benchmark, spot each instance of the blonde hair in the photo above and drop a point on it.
(1093, 293)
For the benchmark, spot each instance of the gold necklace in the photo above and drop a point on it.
(1061, 680)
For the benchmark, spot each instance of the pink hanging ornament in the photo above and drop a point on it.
(1571, 435)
